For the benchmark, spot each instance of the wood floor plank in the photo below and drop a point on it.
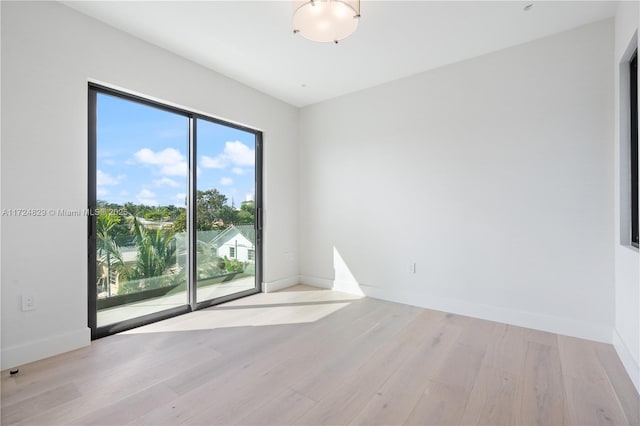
(281, 409)
(319, 378)
(439, 405)
(42, 402)
(592, 400)
(232, 356)
(280, 345)
(49, 373)
(544, 400)
(99, 390)
(495, 398)
(579, 359)
(353, 392)
(542, 337)
(592, 403)
(128, 409)
(103, 361)
(460, 369)
(621, 383)
(398, 396)
(508, 349)
(496, 394)
(476, 334)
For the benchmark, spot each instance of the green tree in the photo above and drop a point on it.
(208, 204)
(120, 230)
(158, 214)
(156, 250)
(108, 252)
(248, 206)
(173, 211)
(245, 214)
(180, 223)
(228, 215)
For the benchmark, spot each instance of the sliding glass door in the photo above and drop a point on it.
(225, 210)
(174, 203)
(140, 189)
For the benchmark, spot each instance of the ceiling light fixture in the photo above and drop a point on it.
(325, 21)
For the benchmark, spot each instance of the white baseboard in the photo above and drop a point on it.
(632, 367)
(316, 281)
(271, 286)
(337, 285)
(348, 286)
(42, 348)
(537, 321)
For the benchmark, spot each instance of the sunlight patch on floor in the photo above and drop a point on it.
(264, 309)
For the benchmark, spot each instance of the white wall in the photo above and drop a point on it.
(49, 53)
(627, 260)
(493, 175)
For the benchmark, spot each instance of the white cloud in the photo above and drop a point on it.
(226, 181)
(237, 171)
(123, 193)
(213, 163)
(235, 153)
(177, 169)
(170, 161)
(166, 156)
(105, 179)
(146, 197)
(182, 199)
(239, 153)
(165, 181)
(248, 197)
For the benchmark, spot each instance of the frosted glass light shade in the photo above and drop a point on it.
(326, 20)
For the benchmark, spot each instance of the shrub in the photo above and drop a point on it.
(233, 265)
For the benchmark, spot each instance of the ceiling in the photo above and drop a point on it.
(252, 41)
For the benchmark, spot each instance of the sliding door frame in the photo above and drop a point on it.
(257, 213)
(192, 304)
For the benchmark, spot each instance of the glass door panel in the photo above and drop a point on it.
(140, 227)
(225, 211)
(175, 200)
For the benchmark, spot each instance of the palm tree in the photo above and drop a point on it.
(107, 249)
(156, 250)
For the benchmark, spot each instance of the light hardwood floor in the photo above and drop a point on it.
(309, 356)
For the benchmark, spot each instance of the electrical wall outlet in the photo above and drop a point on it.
(28, 302)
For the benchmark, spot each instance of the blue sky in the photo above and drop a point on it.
(142, 156)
